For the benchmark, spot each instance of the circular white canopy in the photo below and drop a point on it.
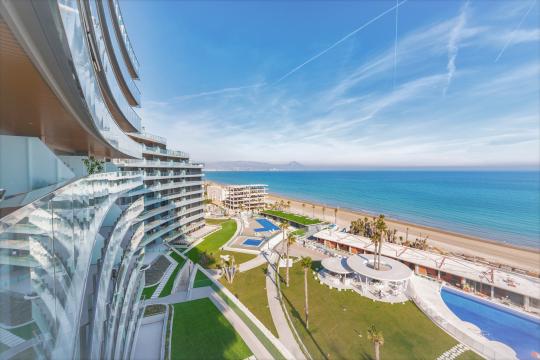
(336, 265)
(395, 270)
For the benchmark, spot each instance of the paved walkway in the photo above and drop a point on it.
(256, 347)
(285, 334)
(9, 339)
(253, 263)
(166, 275)
(149, 338)
(453, 352)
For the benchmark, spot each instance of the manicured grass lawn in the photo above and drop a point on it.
(201, 280)
(250, 288)
(213, 242)
(149, 291)
(215, 221)
(167, 289)
(299, 219)
(299, 232)
(239, 257)
(339, 321)
(200, 331)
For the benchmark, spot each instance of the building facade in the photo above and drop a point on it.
(245, 197)
(72, 244)
(173, 190)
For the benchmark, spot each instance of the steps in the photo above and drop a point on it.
(453, 352)
(164, 279)
(9, 339)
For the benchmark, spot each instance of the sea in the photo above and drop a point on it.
(497, 205)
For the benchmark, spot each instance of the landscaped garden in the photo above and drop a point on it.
(201, 280)
(207, 253)
(167, 289)
(250, 288)
(200, 331)
(339, 320)
(299, 219)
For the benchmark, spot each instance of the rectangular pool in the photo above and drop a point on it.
(252, 242)
(267, 225)
(519, 331)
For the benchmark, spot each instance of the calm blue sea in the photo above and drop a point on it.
(497, 205)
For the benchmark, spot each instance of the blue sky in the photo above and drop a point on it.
(326, 83)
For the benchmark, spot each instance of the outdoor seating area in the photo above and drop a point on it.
(358, 273)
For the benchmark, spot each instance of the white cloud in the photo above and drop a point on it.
(453, 44)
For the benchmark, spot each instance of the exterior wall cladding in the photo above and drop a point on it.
(72, 245)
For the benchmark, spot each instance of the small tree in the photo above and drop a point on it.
(377, 339)
(93, 165)
(335, 215)
(303, 209)
(229, 268)
(313, 209)
(306, 265)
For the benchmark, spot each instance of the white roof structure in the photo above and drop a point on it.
(336, 265)
(517, 283)
(394, 270)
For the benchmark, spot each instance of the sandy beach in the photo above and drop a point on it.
(522, 258)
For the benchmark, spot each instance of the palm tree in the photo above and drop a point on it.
(290, 240)
(283, 226)
(313, 208)
(377, 339)
(335, 215)
(323, 209)
(289, 205)
(303, 209)
(380, 230)
(306, 265)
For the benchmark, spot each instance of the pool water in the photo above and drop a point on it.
(520, 332)
(252, 242)
(267, 225)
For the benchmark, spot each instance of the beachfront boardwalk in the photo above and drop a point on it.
(285, 333)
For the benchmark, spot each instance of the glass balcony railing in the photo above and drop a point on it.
(150, 137)
(116, 54)
(83, 65)
(156, 163)
(46, 249)
(166, 152)
(115, 7)
(119, 97)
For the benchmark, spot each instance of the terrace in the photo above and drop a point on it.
(295, 219)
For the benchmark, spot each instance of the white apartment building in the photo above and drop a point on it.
(245, 197)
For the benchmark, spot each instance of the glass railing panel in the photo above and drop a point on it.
(103, 120)
(126, 109)
(127, 43)
(118, 57)
(45, 252)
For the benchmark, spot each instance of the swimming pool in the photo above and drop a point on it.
(252, 242)
(519, 331)
(267, 225)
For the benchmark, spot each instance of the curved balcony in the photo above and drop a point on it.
(59, 93)
(50, 290)
(123, 39)
(125, 115)
(128, 85)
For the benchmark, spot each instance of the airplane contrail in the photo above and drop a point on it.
(339, 42)
(511, 37)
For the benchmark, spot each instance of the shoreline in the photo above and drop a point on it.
(521, 257)
(490, 250)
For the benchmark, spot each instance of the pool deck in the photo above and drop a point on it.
(426, 294)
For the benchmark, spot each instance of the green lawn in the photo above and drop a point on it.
(213, 242)
(167, 289)
(201, 280)
(250, 288)
(215, 221)
(339, 321)
(239, 257)
(299, 219)
(200, 331)
(299, 232)
(149, 291)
